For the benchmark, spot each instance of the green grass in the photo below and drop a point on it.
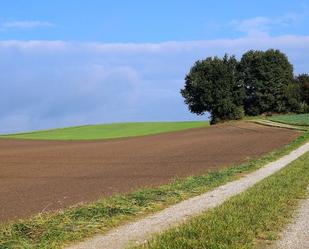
(247, 220)
(108, 131)
(293, 119)
(53, 230)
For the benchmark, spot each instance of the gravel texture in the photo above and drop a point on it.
(296, 236)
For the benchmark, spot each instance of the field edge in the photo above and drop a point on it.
(106, 131)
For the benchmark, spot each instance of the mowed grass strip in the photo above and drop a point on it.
(293, 119)
(248, 220)
(53, 230)
(108, 131)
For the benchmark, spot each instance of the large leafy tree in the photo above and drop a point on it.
(266, 76)
(213, 86)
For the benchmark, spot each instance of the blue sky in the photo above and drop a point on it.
(79, 62)
(147, 21)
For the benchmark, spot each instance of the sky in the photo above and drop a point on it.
(75, 62)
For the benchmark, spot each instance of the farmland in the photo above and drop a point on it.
(52, 175)
(108, 131)
(293, 119)
(115, 180)
(49, 175)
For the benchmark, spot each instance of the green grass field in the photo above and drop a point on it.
(108, 131)
(293, 119)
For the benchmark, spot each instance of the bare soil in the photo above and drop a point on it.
(38, 176)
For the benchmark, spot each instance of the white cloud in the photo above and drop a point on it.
(258, 26)
(25, 24)
(172, 47)
(37, 46)
(56, 83)
(262, 26)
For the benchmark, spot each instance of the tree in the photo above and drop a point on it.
(293, 97)
(212, 85)
(261, 82)
(266, 76)
(303, 82)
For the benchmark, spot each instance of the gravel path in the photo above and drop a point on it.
(296, 236)
(141, 230)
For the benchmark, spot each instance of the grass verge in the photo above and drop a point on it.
(293, 119)
(108, 131)
(246, 220)
(280, 125)
(53, 230)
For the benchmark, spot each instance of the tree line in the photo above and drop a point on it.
(262, 82)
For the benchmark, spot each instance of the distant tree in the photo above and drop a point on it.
(213, 86)
(303, 82)
(293, 97)
(261, 82)
(265, 75)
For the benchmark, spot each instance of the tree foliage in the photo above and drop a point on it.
(261, 82)
(212, 85)
(302, 81)
(292, 97)
(266, 75)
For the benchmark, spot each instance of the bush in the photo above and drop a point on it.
(304, 108)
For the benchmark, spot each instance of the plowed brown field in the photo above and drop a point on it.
(38, 176)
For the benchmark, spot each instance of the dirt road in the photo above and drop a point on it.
(38, 176)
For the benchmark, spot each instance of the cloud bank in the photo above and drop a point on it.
(25, 24)
(47, 84)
